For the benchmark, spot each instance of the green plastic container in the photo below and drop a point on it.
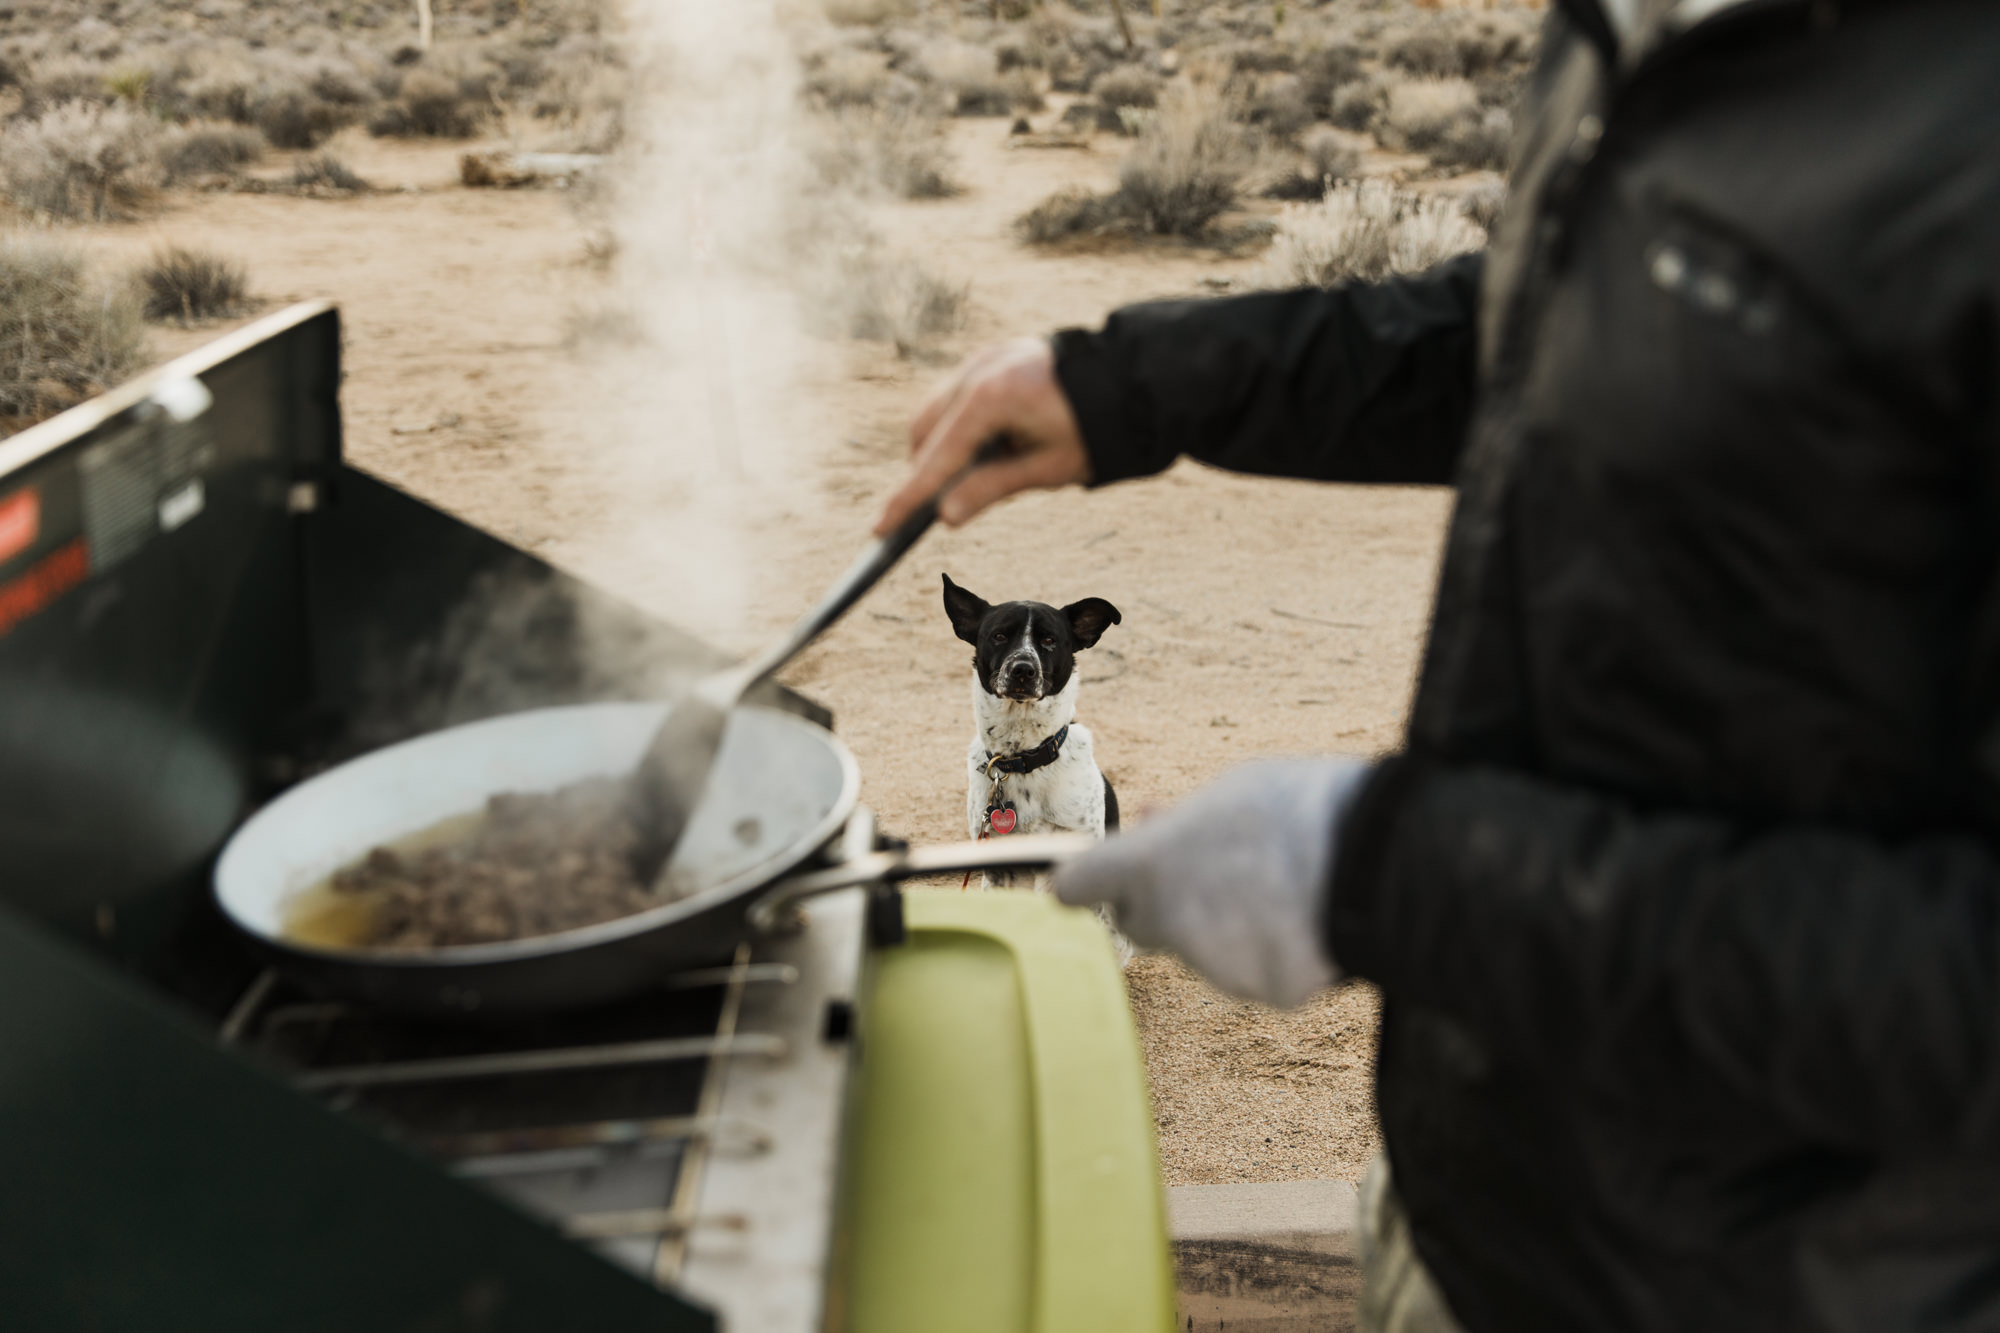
(1001, 1169)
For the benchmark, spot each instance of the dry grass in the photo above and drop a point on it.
(1364, 231)
(63, 335)
(193, 285)
(81, 160)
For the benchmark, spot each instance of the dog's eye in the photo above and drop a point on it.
(999, 638)
(1048, 641)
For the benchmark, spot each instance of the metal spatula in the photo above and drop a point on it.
(674, 771)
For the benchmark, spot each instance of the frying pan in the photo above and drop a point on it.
(781, 789)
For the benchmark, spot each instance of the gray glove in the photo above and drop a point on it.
(1234, 879)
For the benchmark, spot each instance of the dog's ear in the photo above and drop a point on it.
(965, 610)
(1089, 618)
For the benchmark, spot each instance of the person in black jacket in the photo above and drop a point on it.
(1683, 895)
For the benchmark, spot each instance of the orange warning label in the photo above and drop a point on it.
(20, 522)
(47, 579)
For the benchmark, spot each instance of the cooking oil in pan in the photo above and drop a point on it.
(325, 916)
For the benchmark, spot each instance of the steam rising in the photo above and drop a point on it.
(695, 418)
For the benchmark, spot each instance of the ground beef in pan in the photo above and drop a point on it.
(537, 864)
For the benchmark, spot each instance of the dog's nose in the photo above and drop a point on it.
(1021, 673)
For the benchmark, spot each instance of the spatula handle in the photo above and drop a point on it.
(869, 567)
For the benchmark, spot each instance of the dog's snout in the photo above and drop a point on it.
(1019, 677)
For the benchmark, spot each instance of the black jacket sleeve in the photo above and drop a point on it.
(1848, 984)
(1357, 383)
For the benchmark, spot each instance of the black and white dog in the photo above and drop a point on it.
(1031, 768)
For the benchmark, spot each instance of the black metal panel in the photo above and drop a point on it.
(152, 640)
(156, 1182)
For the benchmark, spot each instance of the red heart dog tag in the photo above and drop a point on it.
(1000, 821)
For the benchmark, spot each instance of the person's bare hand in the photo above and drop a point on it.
(1007, 389)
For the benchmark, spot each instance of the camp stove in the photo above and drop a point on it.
(931, 1118)
(691, 1136)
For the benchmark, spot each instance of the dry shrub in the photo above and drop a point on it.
(63, 335)
(1356, 106)
(1422, 113)
(1483, 204)
(294, 118)
(846, 77)
(1427, 53)
(54, 82)
(583, 93)
(1495, 40)
(902, 149)
(1127, 85)
(324, 174)
(1329, 157)
(1479, 142)
(1330, 153)
(81, 160)
(294, 101)
(1069, 213)
(866, 13)
(1268, 57)
(430, 105)
(1015, 52)
(198, 151)
(894, 299)
(1280, 106)
(1364, 231)
(1183, 173)
(189, 285)
(1185, 169)
(214, 85)
(970, 78)
(1324, 70)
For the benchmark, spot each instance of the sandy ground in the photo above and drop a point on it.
(1259, 617)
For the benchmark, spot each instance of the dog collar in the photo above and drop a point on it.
(1027, 761)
